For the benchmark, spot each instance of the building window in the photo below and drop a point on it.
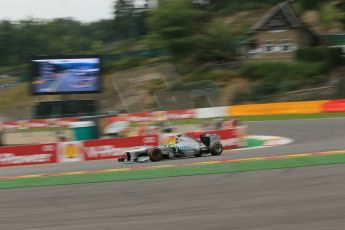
(268, 47)
(287, 46)
(277, 30)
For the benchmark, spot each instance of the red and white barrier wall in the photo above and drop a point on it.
(28, 155)
(37, 123)
(334, 106)
(302, 107)
(133, 117)
(100, 149)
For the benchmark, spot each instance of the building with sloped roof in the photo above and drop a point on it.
(277, 35)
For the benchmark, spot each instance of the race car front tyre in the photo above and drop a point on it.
(216, 149)
(155, 154)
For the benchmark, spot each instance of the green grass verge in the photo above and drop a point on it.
(252, 143)
(174, 171)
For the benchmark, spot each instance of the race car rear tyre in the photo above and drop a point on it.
(216, 149)
(155, 154)
(199, 154)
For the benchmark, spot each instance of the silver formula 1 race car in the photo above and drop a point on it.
(180, 146)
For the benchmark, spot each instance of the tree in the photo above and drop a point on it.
(102, 30)
(309, 4)
(330, 15)
(7, 42)
(177, 25)
(221, 43)
(189, 32)
(20, 41)
(124, 18)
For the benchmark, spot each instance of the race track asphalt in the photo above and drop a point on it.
(310, 198)
(296, 198)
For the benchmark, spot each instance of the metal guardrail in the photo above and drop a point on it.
(140, 53)
(308, 90)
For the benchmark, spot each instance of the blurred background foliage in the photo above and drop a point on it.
(202, 40)
(187, 30)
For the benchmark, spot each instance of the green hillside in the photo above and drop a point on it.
(202, 41)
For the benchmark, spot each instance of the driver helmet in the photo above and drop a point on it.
(172, 144)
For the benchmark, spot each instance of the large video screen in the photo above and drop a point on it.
(66, 75)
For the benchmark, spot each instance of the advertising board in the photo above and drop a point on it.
(27, 155)
(103, 149)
